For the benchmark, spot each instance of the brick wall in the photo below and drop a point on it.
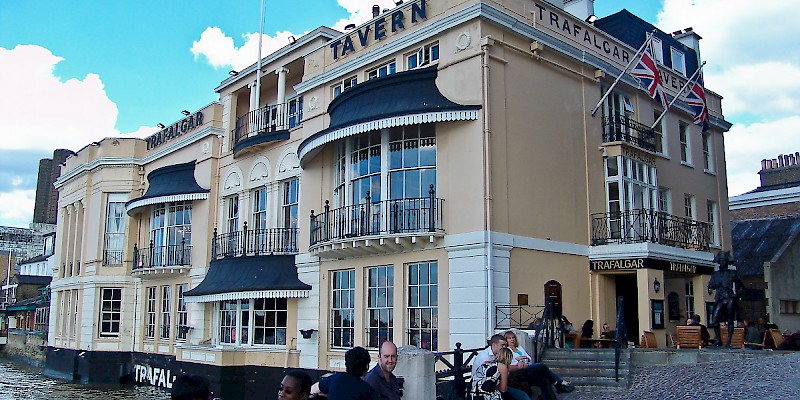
(766, 211)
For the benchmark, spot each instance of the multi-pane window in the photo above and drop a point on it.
(345, 84)
(383, 70)
(228, 321)
(113, 309)
(688, 206)
(708, 152)
(151, 298)
(115, 229)
(253, 322)
(259, 197)
(689, 298)
(412, 161)
(380, 294)
(343, 308)
(631, 187)
(711, 209)
(789, 307)
(110, 311)
(423, 305)
(678, 61)
(365, 167)
(182, 314)
(664, 203)
(291, 196)
(171, 234)
(41, 318)
(686, 152)
(659, 133)
(166, 311)
(269, 321)
(295, 111)
(425, 55)
(232, 214)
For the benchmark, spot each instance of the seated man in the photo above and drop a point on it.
(703, 330)
(487, 355)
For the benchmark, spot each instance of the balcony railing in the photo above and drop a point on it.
(112, 257)
(255, 242)
(173, 255)
(619, 128)
(638, 226)
(274, 118)
(413, 215)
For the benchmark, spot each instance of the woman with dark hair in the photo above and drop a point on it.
(296, 385)
(587, 331)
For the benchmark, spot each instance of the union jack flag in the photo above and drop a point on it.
(647, 73)
(696, 99)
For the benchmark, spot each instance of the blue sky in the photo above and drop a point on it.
(78, 71)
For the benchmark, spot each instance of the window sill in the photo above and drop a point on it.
(664, 156)
(710, 172)
(687, 164)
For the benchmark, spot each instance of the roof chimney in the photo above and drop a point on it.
(376, 10)
(579, 8)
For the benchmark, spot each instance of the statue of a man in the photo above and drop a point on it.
(729, 289)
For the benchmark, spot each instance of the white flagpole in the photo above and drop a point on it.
(685, 85)
(258, 70)
(635, 56)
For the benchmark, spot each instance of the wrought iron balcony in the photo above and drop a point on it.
(173, 255)
(273, 119)
(619, 128)
(112, 257)
(639, 226)
(254, 242)
(398, 216)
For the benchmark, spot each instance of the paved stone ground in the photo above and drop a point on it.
(760, 377)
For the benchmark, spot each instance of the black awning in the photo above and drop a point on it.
(235, 278)
(169, 184)
(403, 93)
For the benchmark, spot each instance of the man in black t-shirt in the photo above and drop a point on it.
(348, 385)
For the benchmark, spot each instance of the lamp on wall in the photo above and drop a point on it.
(590, 19)
(160, 125)
(656, 285)
(307, 333)
(233, 72)
(186, 113)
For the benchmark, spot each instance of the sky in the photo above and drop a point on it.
(75, 72)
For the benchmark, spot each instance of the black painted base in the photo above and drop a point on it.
(119, 368)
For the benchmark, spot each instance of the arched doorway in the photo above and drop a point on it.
(552, 295)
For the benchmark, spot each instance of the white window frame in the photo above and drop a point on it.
(343, 288)
(708, 153)
(685, 142)
(689, 298)
(380, 305)
(294, 111)
(713, 222)
(110, 318)
(678, 61)
(165, 323)
(664, 200)
(343, 85)
(415, 310)
(689, 207)
(235, 323)
(660, 134)
(658, 50)
(232, 214)
(182, 314)
(151, 302)
(423, 57)
(385, 69)
(290, 202)
(260, 215)
(114, 238)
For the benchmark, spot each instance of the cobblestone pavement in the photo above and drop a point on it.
(759, 377)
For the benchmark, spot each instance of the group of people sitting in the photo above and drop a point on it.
(503, 370)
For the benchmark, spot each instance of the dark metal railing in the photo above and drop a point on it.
(112, 257)
(254, 242)
(162, 256)
(423, 214)
(456, 367)
(638, 226)
(620, 128)
(549, 332)
(273, 118)
(517, 316)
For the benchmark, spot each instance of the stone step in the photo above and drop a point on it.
(588, 371)
(577, 363)
(595, 355)
(598, 381)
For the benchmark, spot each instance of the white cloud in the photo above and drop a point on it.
(747, 145)
(754, 63)
(17, 207)
(46, 112)
(220, 51)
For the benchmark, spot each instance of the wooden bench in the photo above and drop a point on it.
(648, 340)
(777, 338)
(689, 337)
(737, 342)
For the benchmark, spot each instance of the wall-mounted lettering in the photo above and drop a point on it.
(153, 376)
(175, 130)
(379, 29)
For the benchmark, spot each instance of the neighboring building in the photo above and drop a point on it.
(24, 243)
(765, 228)
(407, 180)
(28, 291)
(45, 208)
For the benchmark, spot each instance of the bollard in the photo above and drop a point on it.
(416, 367)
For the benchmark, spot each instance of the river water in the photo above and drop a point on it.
(21, 382)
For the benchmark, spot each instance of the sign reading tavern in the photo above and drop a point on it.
(177, 129)
(378, 29)
(651, 263)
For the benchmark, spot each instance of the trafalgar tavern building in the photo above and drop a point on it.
(411, 179)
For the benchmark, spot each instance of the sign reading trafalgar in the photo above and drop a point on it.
(377, 30)
(650, 263)
(177, 129)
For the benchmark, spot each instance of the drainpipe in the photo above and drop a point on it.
(487, 184)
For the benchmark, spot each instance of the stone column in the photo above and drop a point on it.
(417, 367)
(254, 96)
(283, 112)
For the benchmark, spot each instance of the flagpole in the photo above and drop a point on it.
(608, 92)
(685, 85)
(258, 70)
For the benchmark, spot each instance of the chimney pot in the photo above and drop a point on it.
(763, 164)
(376, 10)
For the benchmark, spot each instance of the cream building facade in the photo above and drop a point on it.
(409, 180)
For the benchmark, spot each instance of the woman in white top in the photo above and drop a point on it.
(520, 358)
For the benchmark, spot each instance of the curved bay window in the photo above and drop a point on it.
(386, 182)
(170, 235)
